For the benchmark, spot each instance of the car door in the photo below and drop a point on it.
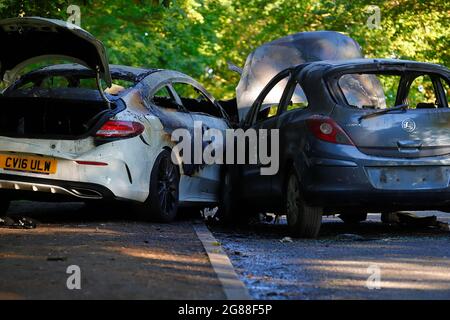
(164, 103)
(294, 109)
(262, 116)
(206, 114)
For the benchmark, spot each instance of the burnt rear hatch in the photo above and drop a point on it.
(50, 105)
(393, 108)
(33, 39)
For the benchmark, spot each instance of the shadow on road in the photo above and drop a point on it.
(331, 229)
(70, 212)
(76, 212)
(119, 257)
(412, 262)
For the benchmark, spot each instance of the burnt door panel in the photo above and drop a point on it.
(254, 183)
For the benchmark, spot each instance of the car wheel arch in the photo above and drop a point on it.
(287, 168)
(289, 164)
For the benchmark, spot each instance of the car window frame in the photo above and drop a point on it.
(205, 95)
(172, 93)
(289, 92)
(437, 86)
(332, 81)
(251, 118)
(172, 96)
(445, 94)
(441, 91)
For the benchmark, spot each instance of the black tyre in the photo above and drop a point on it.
(353, 218)
(303, 221)
(4, 206)
(162, 202)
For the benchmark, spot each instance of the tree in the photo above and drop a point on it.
(198, 37)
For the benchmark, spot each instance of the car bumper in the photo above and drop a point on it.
(376, 183)
(125, 175)
(15, 187)
(379, 201)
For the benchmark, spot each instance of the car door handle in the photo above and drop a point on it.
(409, 144)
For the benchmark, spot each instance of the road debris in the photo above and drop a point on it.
(17, 223)
(442, 226)
(286, 239)
(350, 237)
(209, 213)
(56, 258)
(277, 219)
(409, 219)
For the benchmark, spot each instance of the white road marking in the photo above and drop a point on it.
(233, 287)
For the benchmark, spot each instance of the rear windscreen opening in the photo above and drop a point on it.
(383, 90)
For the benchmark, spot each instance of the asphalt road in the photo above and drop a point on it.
(411, 263)
(121, 258)
(118, 257)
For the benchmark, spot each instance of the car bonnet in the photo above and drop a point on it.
(270, 58)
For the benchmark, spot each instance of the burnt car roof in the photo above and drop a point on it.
(134, 74)
(377, 64)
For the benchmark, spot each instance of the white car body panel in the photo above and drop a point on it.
(129, 161)
(137, 153)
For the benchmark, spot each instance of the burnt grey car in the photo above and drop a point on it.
(63, 137)
(355, 136)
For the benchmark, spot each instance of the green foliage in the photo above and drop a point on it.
(198, 37)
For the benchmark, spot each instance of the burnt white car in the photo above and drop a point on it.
(62, 137)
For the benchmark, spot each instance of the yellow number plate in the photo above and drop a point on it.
(28, 164)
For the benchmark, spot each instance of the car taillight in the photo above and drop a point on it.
(120, 129)
(326, 129)
(91, 163)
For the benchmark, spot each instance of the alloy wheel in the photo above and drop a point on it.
(167, 186)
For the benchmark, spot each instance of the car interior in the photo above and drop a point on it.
(192, 100)
(43, 116)
(381, 91)
(52, 106)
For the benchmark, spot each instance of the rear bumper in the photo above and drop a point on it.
(341, 177)
(378, 201)
(340, 187)
(126, 175)
(17, 187)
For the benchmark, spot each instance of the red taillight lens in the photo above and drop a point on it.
(92, 163)
(120, 129)
(326, 129)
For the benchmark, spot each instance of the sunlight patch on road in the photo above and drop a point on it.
(413, 275)
(157, 255)
(57, 229)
